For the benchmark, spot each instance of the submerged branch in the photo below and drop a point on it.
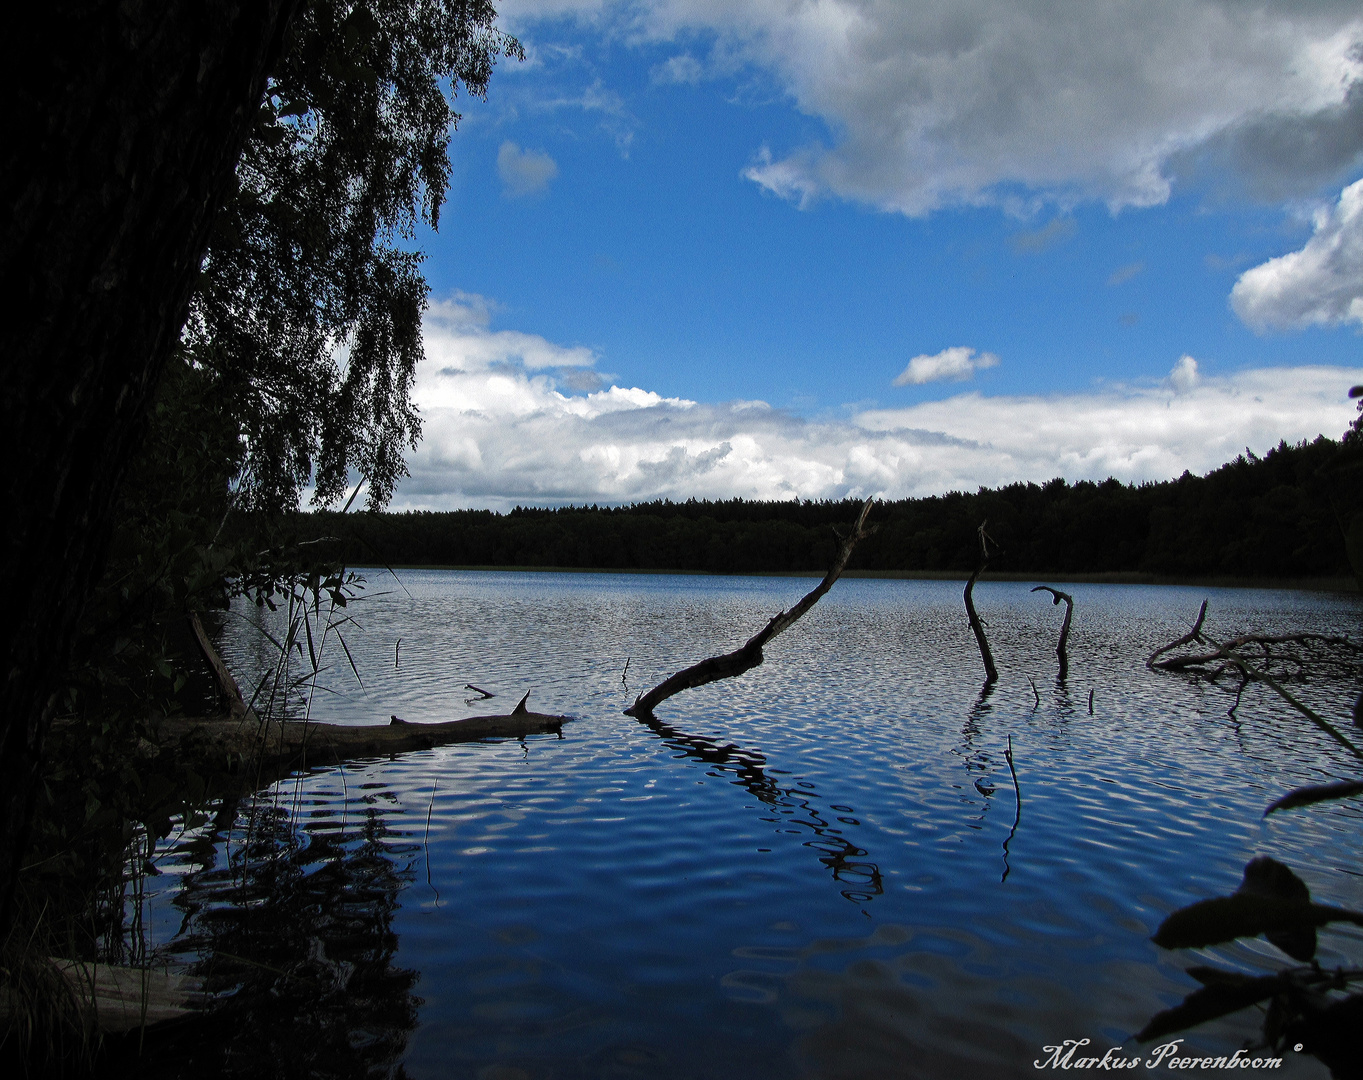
(750, 656)
(1227, 652)
(227, 686)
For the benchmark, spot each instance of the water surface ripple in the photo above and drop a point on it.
(810, 871)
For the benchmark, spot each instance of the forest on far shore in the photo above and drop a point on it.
(1277, 516)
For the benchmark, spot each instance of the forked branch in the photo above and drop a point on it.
(750, 655)
(1228, 653)
(1195, 634)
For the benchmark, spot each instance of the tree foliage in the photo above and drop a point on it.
(293, 370)
(306, 323)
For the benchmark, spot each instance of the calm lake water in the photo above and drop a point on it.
(816, 870)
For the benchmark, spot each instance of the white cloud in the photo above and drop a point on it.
(1321, 284)
(500, 430)
(459, 337)
(524, 172)
(684, 68)
(1013, 102)
(1184, 375)
(957, 362)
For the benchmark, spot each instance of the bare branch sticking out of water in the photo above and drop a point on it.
(991, 673)
(1090, 702)
(478, 690)
(1228, 653)
(750, 656)
(1061, 650)
(1195, 634)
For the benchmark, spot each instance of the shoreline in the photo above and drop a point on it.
(1117, 577)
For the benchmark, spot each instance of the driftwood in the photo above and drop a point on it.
(1061, 649)
(750, 655)
(228, 745)
(227, 686)
(1229, 655)
(116, 1000)
(991, 673)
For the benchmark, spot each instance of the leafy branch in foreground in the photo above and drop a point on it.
(1308, 1005)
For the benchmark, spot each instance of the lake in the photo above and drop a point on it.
(819, 869)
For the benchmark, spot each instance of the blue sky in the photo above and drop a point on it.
(823, 249)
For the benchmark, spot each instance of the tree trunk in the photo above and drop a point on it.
(122, 137)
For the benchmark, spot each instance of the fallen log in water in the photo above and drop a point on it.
(230, 745)
(115, 1000)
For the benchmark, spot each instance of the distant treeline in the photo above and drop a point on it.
(1276, 516)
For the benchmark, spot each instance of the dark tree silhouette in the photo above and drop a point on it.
(121, 147)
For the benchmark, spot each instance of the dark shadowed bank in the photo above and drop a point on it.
(1290, 516)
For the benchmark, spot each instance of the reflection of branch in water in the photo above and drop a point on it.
(839, 854)
(978, 760)
(1017, 817)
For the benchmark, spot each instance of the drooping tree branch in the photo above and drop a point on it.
(991, 673)
(729, 665)
(1060, 650)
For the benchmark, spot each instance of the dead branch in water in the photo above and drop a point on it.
(222, 678)
(750, 656)
(1017, 814)
(991, 673)
(1195, 634)
(1229, 655)
(1061, 649)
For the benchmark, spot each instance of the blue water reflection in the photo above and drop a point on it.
(798, 872)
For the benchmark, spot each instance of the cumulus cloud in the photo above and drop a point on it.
(1011, 102)
(458, 337)
(524, 172)
(1322, 284)
(958, 363)
(503, 426)
(1184, 375)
